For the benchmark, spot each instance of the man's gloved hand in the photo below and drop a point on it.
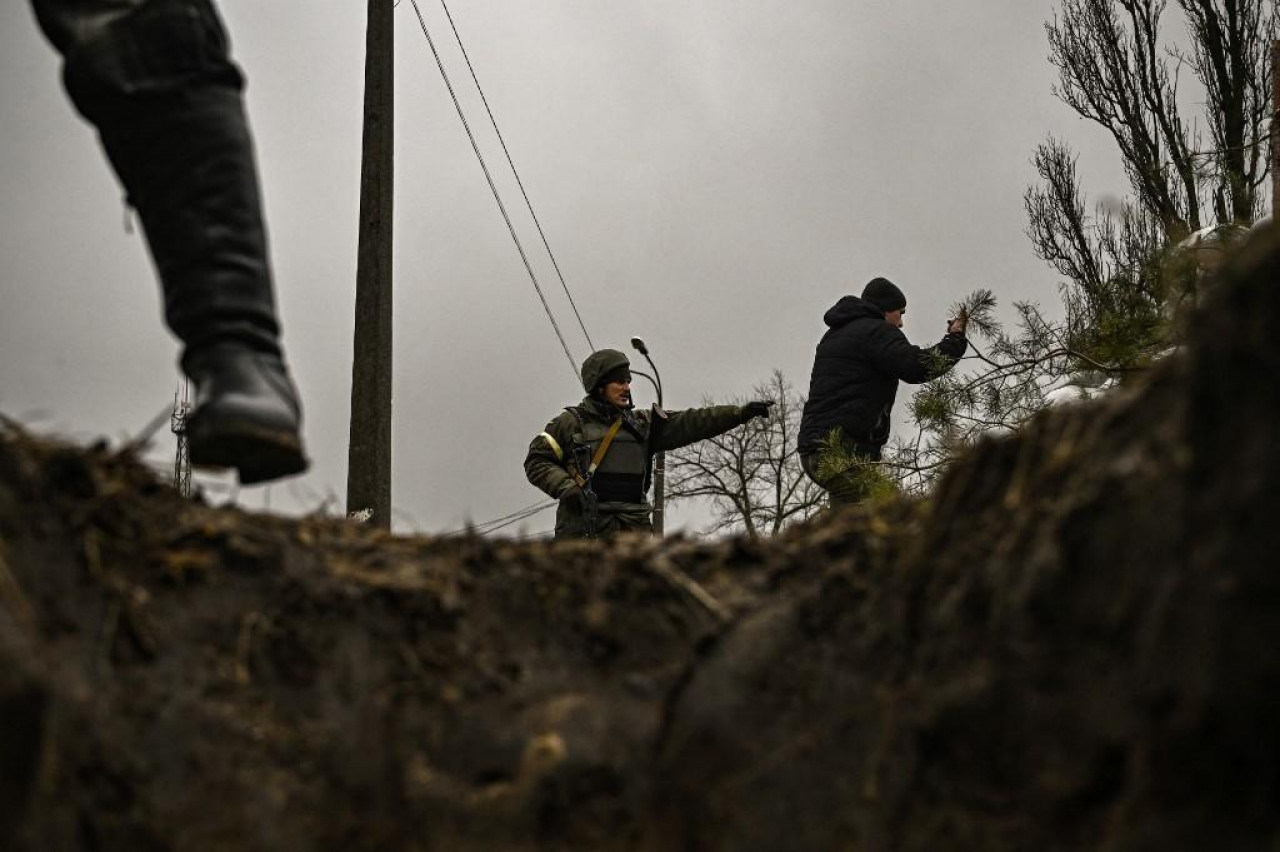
(574, 497)
(756, 408)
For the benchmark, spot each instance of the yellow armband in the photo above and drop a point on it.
(555, 446)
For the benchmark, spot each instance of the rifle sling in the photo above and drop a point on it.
(600, 454)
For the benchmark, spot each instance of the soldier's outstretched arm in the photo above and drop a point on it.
(546, 463)
(681, 428)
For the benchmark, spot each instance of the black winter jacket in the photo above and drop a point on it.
(856, 371)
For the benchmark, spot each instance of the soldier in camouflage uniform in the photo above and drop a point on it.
(613, 498)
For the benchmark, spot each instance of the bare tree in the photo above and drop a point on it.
(1230, 44)
(751, 475)
(1123, 277)
(1114, 69)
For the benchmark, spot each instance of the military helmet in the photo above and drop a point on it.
(600, 364)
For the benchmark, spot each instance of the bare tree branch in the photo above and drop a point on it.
(751, 475)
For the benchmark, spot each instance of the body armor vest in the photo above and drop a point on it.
(621, 476)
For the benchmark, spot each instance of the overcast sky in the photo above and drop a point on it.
(712, 176)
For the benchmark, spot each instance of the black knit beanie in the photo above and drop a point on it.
(884, 294)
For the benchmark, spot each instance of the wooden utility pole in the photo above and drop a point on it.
(369, 450)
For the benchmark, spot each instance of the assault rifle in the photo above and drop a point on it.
(590, 502)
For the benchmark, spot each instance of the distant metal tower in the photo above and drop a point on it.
(178, 423)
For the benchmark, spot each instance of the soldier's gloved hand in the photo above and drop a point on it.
(756, 408)
(574, 497)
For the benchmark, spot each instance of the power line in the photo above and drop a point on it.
(502, 141)
(492, 188)
(533, 507)
(498, 523)
(527, 515)
(473, 526)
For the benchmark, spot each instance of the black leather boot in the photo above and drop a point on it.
(246, 414)
(159, 85)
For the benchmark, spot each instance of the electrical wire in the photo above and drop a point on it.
(520, 183)
(534, 507)
(573, 365)
(525, 516)
(498, 523)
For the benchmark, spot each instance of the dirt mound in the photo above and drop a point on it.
(1072, 646)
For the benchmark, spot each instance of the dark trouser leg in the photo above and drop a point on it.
(571, 525)
(156, 80)
(844, 488)
(633, 522)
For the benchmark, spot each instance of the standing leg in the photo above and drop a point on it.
(156, 79)
(844, 488)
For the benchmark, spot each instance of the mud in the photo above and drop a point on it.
(1071, 646)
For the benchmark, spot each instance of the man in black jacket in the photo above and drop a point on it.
(856, 371)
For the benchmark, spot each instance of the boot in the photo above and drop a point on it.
(246, 414)
(160, 87)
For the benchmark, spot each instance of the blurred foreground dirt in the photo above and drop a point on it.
(1072, 646)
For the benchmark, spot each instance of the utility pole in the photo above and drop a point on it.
(369, 448)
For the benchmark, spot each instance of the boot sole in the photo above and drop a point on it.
(258, 455)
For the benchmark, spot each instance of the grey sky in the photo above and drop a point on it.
(711, 175)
